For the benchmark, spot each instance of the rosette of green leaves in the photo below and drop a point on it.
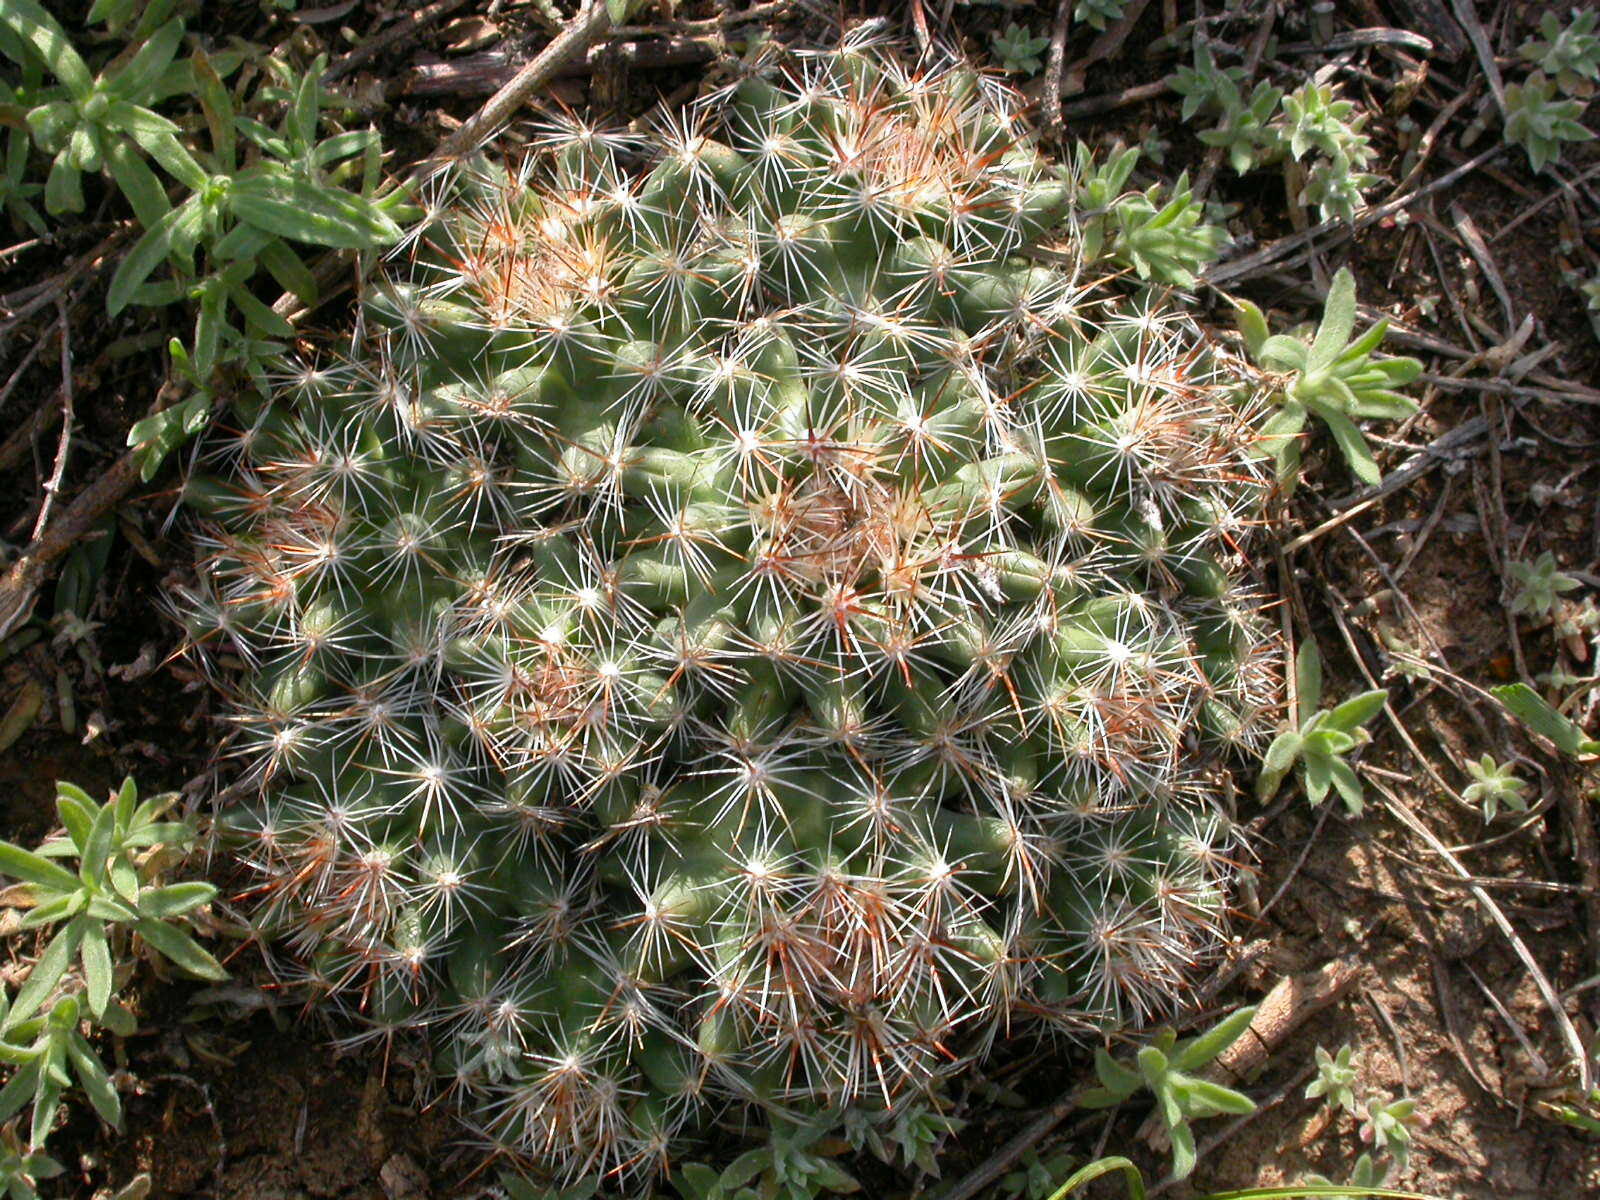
(1570, 54)
(88, 122)
(1246, 131)
(1317, 748)
(1206, 87)
(1166, 1068)
(1538, 122)
(1165, 239)
(1333, 377)
(111, 894)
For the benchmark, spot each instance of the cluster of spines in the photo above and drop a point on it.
(741, 630)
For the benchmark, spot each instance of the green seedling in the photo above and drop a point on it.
(1165, 1068)
(92, 123)
(1493, 785)
(1206, 88)
(22, 1167)
(1097, 14)
(1388, 1127)
(788, 1167)
(1245, 130)
(1333, 376)
(1335, 1081)
(1163, 237)
(1018, 50)
(1539, 122)
(1539, 586)
(1316, 751)
(1569, 54)
(112, 894)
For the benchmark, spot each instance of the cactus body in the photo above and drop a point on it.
(741, 626)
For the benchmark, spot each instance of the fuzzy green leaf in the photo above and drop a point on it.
(1538, 715)
(180, 949)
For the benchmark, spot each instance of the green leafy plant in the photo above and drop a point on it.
(1163, 237)
(1539, 585)
(908, 1133)
(1206, 88)
(22, 1167)
(787, 1167)
(1165, 1068)
(1332, 376)
(1387, 1126)
(1245, 129)
(1568, 54)
(1316, 750)
(243, 203)
(92, 123)
(1335, 1079)
(1018, 50)
(1097, 14)
(1539, 122)
(1314, 121)
(1493, 784)
(122, 848)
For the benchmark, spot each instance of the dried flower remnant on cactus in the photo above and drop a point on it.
(733, 628)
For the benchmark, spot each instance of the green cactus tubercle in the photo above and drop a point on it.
(735, 626)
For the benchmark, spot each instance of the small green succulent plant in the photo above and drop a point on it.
(1332, 376)
(1317, 749)
(1166, 1068)
(1018, 50)
(123, 847)
(1540, 585)
(1539, 122)
(1493, 785)
(1335, 1081)
(1569, 54)
(1097, 14)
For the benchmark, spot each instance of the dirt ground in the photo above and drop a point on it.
(231, 1094)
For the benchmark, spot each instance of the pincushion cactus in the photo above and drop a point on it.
(737, 626)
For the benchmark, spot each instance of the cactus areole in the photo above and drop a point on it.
(741, 623)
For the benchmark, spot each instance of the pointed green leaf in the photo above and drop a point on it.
(95, 1081)
(47, 971)
(1308, 678)
(95, 955)
(1318, 777)
(1203, 1048)
(47, 1096)
(303, 212)
(19, 1089)
(1253, 326)
(1351, 444)
(17, 863)
(97, 846)
(1183, 1151)
(1348, 784)
(1338, 321)
(176, 232)
(1358, 710)
(175, 899)
(1538, 715)
(39, 29)
(180, 949)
